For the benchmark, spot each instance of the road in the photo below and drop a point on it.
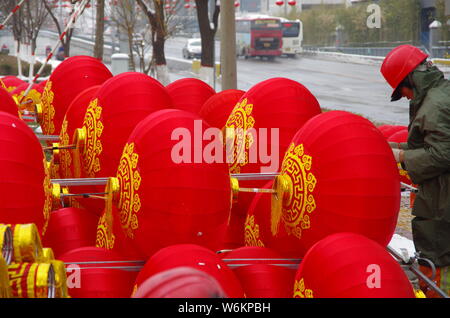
(337, 85)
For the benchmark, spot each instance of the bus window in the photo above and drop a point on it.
(291, 30)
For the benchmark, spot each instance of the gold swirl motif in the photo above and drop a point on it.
(239, 123)
(129, 181)
(296, 166)
(94, 128)
(105, 236)
(300, 291)
(251, 233)
(48, 110)
(65, 154)
(48, 203)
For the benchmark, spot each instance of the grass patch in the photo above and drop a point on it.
(8, 66)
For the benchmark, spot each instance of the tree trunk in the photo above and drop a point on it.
(206, 33)
(99, 30)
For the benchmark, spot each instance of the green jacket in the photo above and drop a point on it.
(427, 160)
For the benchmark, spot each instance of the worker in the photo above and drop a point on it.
(426, 154)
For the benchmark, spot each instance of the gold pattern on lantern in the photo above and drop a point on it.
(94, 129)
(65, 154)
(300, 290)
(48, 189)
(130, 181)
(237, 132)
(105, 236)
(48, 110)
(251, 233)
(296, 166)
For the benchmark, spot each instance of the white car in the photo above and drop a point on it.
(193, 48)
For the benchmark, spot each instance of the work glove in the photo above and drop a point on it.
(398, 154)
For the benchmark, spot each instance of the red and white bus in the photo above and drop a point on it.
(259, 36)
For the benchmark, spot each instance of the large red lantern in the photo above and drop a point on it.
(7, 103)
(165, 196)
(263, 273)
(25, 184)
(279, 2)
(189, 94)
(70, 78)
(194, 256)
(70, 228)
(349, 265)
(96, 273)
(180, 282)
(118, 106)
(216, 110)
(338, 175)
(257, 126)
(10, 82)
(73, 120)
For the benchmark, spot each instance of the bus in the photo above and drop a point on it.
(258, 36)
(292, 37)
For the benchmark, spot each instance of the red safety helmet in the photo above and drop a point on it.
(399, 63)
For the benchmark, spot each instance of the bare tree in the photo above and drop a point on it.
(17, 26)
(124, 16)
(35, 14)
(158, 20)
(99, 30)
(60, 25)
(208, 28)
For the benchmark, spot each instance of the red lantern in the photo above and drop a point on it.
(70, 228)
(167, 198)
(349, 265)
(10, 82)
(180, 282)
(218, 107)
(33, 97)
(338, 174)
(24, 186)
(389, 130)
(70, 78)
(194, 256)
(7, 103)
(73, 119)
(264, 128)
(189, 94)
(292, 2)
(279, 2)
(259, 278)
(187, 6)
(119, 105)
(236, 4)
(94, 273)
